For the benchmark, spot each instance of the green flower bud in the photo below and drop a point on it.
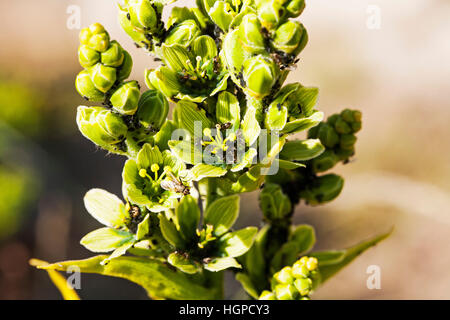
(270, 13)
(259, 76)
(347, 115)
(300, 269)
(101, 126)
(323, 189)
(250, 34)
(284, 276)
(342, 127)
(95, 37)
(103, 77)
(86, 88)
(274, 203)
(87, 57)
(183, 34)
(291, 37)
(153, 109)
(295, 8)
(114, 56)
(267, 295)
(137, 35)
(222, 14)
(327, 160)
(347, 141)
(125, 99)
(142, 14)
(356, 126)
(304, 286)
(327, 135)
(344, 154)
(286, 292)
(125, 69)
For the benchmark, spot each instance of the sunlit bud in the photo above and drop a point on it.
(95, 37)
(114, 56)
(125, 69)
(270, 13)
(295, 8)
(87, 56)
(250, 34)
(284, 276)
(300, 270)
(153, 109)
(101, 126)
(142, 14)
(125, 99)
(86, 88)
(291, 37)
(103, 77)
(347, 115)
(304, 286)
(312, 263)
(222, 14)
(286, 292)
(137, 35)
(183, 34)
(259, 76)
(325, 161)
(267, 295)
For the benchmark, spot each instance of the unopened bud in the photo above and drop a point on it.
(291, 37)
(86, 88)
(153, 109)
(114, 56)
(125, 99)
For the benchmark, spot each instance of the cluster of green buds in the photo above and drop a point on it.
(337, 134)
(125, 116)
(106, 65)
(294, 282)
(269, 50)
(141, 20)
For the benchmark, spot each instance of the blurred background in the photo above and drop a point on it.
(390, 59)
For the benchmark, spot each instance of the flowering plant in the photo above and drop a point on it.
(224, 64)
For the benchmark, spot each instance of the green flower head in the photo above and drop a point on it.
(153, 179)
(192, 75)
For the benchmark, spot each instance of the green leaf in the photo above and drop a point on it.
(184, 150)
(58, 280)
(120, 251)
(105, 207)
(105, 239)
(286, 255)
(202, 170)
(303, 123)
(301, 150)
(289, 165)
(247, 285)
(222, 213)
(246, 160)
(219, 264)
(188, 217)
(250, 126)
(235, 244)
(143, 228)
(227, 109)
(154, 276)
(304, 236)
(255, 261)
(170, 231)
(183, 263)
(332, 262)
